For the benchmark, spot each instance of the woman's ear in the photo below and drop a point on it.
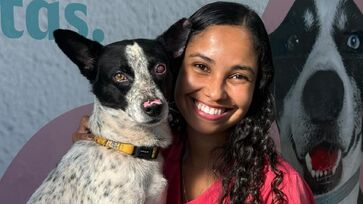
(175, 38)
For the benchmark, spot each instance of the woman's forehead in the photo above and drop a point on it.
(223, 42)
(223, 35)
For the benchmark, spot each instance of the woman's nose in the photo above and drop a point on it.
(216, 89)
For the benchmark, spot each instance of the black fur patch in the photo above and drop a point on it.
(113, 60)
(291, 44)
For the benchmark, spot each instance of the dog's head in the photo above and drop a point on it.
(318, 86)
(130, 75)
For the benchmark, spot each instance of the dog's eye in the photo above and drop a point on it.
(292, 42)
(118, 77)
(353, 41)
(160, 69)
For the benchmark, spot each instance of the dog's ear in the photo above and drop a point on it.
(82, 51)
(175, 38)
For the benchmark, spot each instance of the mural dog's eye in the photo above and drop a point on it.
(353, 41)
(160, 69)
(119, 77)
(293, 42)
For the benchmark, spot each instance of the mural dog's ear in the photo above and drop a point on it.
(175, 38)
(82, 51)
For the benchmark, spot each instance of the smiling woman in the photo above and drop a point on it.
(215, 84)
(223, 152)
(221, 114)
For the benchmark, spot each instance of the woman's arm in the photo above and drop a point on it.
(83, 132)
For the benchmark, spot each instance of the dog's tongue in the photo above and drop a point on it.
(323, 158)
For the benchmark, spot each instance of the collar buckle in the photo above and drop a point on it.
(146, 152)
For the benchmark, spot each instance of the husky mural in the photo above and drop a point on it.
(318, 87)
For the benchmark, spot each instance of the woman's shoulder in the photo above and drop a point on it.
(293, 184)
(290, 175)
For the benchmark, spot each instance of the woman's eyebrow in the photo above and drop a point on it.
(235, 67)
(202, 56)
(243, 67)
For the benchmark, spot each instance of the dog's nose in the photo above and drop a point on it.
(152, 107)
(323, 96)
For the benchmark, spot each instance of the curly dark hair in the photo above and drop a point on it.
(249, 149)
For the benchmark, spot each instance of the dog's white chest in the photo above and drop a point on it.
(90, 173)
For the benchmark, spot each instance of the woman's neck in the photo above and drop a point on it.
(200, 155)
(201, 148)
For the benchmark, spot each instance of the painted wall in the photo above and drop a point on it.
(37, 82)
(318, 87)
(318, 62)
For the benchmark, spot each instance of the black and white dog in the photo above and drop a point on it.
(318, 56)
(129, 79)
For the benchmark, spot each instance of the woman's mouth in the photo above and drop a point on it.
(208, 112)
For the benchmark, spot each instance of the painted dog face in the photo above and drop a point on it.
(131, 75)
(318, 86)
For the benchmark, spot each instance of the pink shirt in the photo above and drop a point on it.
(293, 185)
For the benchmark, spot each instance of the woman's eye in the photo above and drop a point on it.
(239, 77)
(160, 69)
(119, 78)
(202, 67)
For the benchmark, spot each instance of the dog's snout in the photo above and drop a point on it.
(323, 96)
(152, 107)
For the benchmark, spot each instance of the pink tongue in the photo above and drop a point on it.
(323, 158)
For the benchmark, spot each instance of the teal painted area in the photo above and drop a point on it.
(74, 13)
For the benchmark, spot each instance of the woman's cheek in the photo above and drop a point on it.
(196, 80)
(243, 96)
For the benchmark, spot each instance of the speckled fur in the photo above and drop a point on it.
(91, 173)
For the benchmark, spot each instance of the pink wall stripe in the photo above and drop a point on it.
(275, 12)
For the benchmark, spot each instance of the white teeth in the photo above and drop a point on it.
(338, 159)
(316, 174)
(207, 109)
(218, 112)
(199, 106)
(215, 112)
(313, 173)
(308, 162)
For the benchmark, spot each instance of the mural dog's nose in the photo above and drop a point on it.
(323, 96)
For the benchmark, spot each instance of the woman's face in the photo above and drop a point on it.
(215, 85)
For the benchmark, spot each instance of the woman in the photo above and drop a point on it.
(221, 151)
